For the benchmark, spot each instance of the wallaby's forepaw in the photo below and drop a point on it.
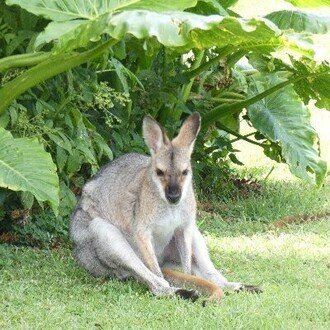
(249, 288)
(192, 295)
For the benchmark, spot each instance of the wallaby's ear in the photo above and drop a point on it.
(154, 136)
(188, 132)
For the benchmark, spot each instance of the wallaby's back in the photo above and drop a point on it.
(111, 193)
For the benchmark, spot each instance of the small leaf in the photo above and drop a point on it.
(4, 119)
(74, 162)
(58, 140)
(235, 160)
(61, 158)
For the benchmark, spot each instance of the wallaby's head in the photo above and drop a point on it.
(170, 160)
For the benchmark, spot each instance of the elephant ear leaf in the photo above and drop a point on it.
(309, 3)
(74, 27)
(315, 83)
(283, 119)
(300, 21)
(26, 166)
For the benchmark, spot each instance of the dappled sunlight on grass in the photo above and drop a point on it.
(300, 243)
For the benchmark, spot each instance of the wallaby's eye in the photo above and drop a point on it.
(159, 172)
(185, 172)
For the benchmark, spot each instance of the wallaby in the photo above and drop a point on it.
(137, 216)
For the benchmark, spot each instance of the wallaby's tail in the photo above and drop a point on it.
(207, 287)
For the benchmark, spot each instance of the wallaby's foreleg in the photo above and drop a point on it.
(112, 248)
(183, 241)
(143, 242)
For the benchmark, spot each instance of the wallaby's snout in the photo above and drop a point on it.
(173, 193)
(170, 169)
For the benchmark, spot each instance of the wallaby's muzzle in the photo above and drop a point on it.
(173, 193)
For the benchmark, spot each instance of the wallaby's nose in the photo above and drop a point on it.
(173, 194)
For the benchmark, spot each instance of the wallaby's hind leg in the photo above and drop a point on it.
(87, 258)
(114, 251)
(203, 266)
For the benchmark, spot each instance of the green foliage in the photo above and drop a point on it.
(42, 230)
(24, 166)
(18, 30)
(74, 27)
(142, 59)
(71, 135)
(300, 21)
(64, 10)
(309, 3)
(282, 117)
(315, 84)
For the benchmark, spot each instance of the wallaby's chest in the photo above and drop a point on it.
(166, 222)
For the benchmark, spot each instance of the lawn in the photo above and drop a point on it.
(43, 289)
(278, 239)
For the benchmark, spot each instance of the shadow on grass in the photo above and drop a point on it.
(277, 202)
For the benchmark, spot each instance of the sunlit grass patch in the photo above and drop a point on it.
(296, 241)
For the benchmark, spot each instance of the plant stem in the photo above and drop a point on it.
(239, 136)
(247, 135)
(269, 173)
(16, 61)
(196, 71)
(185, 90)
(49, 68)
(225, 110)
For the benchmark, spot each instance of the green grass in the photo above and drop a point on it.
(45, 289)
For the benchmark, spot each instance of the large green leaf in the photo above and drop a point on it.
(65, 10)
(74, 34)
(145, 19)
(282, 118)
(26, 166)
(227, 3)
(188, 30)
(316, 84)
(300, 21)
(55, 30)
(309, 3)
(174, 29)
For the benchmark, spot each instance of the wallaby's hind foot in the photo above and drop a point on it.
(192, 295)
(250, 289)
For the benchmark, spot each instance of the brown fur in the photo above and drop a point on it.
(214, 292)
